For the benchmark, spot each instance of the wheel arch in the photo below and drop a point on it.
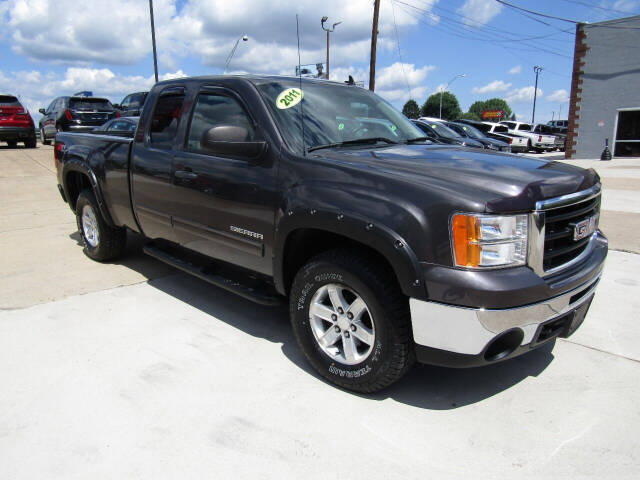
(76, 177)
(302, 235)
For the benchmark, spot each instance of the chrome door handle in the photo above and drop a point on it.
(186, 175)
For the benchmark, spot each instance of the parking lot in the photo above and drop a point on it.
(133, 370)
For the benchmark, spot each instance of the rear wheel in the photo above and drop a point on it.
(43, 137)
(352, 321)
(30, 143)
(12, 144)
(101, 242)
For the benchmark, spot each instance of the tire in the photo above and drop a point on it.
(44, 138)
(31, 143)
(385, 322)
(101, 242)
(12, 143)
(529, 147)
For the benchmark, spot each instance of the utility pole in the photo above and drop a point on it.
(328, 30)
(153, 41)
(461, 75)
(536, 69)
(374, 42)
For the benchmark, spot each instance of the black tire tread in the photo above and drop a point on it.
(113, 240)
(372, 273)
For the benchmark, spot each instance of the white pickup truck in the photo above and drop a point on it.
(536, 141)
(501, 132)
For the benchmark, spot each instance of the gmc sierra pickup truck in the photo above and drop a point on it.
(389, 249)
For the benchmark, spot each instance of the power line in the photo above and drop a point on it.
(598, 7)
(553, 17)
(395, 26)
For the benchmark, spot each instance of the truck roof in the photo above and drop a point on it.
(253, 78)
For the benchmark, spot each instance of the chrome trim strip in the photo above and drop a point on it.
(570, 199)
(468, 330)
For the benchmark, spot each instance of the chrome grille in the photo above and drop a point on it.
(559, 244)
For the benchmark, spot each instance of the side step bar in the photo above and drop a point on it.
(257, 295)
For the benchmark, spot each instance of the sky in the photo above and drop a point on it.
(50, 48)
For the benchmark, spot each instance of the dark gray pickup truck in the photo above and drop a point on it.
(389, 249)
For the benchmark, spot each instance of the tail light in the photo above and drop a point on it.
(510, 140)
(67, 113)
(540, 138)
(57, 152)
(117, 113)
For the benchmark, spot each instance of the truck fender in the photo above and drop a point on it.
(75, 165)
(359, 229)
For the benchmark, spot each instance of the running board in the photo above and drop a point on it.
(258, 295)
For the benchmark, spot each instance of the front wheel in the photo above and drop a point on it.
(352, 321)
(101, 242)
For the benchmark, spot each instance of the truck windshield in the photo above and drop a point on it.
(334, 115)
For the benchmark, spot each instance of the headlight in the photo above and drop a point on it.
(489, 240)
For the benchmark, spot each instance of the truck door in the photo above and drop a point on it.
(224, 206)
(151, 165)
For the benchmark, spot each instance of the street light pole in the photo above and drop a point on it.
(461, 75)
(153, 41)
(328, 30)
(536, 69)
(244, 38)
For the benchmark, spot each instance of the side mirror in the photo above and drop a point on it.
(231, 141)
(42, 111)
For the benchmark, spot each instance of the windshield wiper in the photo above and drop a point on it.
(418, 139)
(359, 141)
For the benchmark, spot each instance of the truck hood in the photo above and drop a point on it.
(501, 182)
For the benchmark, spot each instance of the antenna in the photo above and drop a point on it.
(304, 148)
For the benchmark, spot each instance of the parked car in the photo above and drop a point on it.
(16, 125)
(535, 141)
(388, 249)
(436, 130)
(559, 133)
(499, 132)
(122, 126)
(74, 114)
(475, 134)
(132, 104)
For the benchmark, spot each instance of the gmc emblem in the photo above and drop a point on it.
(585, 228)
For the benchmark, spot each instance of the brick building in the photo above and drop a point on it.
(605, 89)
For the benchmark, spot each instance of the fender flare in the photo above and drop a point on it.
(359, 229)
(75, 165)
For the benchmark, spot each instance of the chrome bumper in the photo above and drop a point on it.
(469, 331)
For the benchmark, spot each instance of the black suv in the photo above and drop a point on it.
(74, 114)
(132, 104)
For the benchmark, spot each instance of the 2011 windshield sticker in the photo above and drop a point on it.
(289, 98)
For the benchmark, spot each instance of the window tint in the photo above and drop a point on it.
(136, 100)
(121, 126)
(214, 110)
(165, 120)
(90, 104)
(524, 126)
(125, 103)
(9, 101)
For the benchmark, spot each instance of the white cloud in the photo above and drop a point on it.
(495, 86)
(559, 96)
(524, 94)
(515, 70)
(36, 89)
(479, 12)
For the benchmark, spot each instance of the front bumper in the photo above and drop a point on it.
(16, 133)
(457, 336)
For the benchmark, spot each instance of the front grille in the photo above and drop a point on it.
(559, 245)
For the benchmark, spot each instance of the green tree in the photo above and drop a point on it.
(478, 107)
(411, 109)
(470, 116)
(450, 106)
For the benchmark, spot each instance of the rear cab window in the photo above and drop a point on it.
(166, 118)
